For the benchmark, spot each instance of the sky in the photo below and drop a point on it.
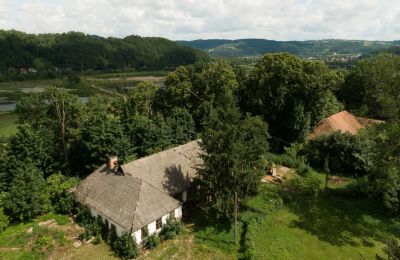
(206, 19)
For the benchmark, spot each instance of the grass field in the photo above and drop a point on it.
(329, 228)
(8, 124)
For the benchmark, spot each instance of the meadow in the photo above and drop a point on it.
(331, 227)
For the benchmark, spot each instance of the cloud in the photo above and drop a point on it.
(193, 19)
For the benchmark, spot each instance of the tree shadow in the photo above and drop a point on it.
(175, 180)
(208, 227)
(341, 221)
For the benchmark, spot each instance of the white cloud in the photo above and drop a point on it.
(193, 19)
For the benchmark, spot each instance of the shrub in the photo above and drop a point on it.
(289, 161)
(152, 241)
(392, 249)
(4, 221)
(170, 229)
(83, 216)
(310, 185)
(43, 244)
(91, 230)
(125, 247)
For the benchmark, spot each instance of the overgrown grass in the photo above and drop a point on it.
(203, 237)
(60, 219)
(332, 227)
(32, 239)
(8, 124)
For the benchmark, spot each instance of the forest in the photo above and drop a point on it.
(247, 119)
(46, 55)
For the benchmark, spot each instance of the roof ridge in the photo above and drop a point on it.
(160, 152)
(137, 201)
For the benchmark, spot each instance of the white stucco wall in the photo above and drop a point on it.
(184, 196)
(138, 236)
(138, 233)
(119, 230)
(164, 219)
(152, 227)
(178, 212)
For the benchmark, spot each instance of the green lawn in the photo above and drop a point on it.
(202, 238)
(330, 228)
(8, 124)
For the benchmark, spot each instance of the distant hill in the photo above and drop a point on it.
(90, 52)
(256, 47)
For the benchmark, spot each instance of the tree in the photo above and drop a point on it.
(140, 100)
(182, 126)
(34, 146)
(372, 88)
(55, 111)
(327, 171)
(57, 193)
(177, 90)
(384, 174)
(290, 94)
(24, 199)
(210, 83)
(102, 135)
(148, 135)
(348, 154)
(232, 163)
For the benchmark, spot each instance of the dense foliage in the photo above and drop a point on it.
(44, 55)
(372, 87)
(234, 146)
(346, 152)
(291, 94)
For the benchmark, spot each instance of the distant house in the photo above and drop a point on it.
(343, 122)
(138, 197)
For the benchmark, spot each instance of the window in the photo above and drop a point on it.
(145, 232)
(158, 223)
(113, 228)
(106, 224)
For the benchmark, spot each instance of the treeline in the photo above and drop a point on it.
(43, 55)
(240, 115)
(314, 48)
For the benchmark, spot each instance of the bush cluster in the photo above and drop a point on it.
(309, 186)
(170, 229)
(152, 241)
(300, 167)
(125, 247)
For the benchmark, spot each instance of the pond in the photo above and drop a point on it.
(10, 105)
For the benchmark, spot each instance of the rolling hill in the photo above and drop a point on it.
(315, 48)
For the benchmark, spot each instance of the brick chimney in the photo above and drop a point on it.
(112, 163)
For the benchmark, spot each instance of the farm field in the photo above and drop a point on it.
(8, 124)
